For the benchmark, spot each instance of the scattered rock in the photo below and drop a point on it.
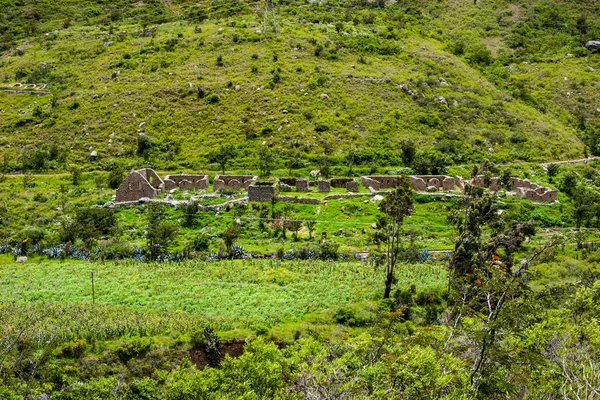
(324, 96)
(593, 45)
(377, 198)
(22, 259)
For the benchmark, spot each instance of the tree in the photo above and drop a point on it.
(408, 151)
(159, 233)
(296, 225)
(115, 177)
(569, 183)
(310, 225)
(396, 206)
(485, 284)
(230, 235)
(286, 213)
(223, 156)
(552, 171)
(266, 161)
(584, 204)
(190, 210)
(430, 162)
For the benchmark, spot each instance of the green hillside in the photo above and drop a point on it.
(498, 80)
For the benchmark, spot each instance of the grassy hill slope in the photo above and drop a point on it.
(491, 80)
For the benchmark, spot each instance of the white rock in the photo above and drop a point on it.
(376, 198)
(94, 154)
(324, 96)
(22, 259)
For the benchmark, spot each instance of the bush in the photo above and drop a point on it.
(212, 98)
(329, 251)
(115, 178)
(133, 349)
(74, 349)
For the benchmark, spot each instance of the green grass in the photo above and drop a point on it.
(156, 79)
(267, 291)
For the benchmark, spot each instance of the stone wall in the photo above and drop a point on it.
(298, 200)
(261, 192)
(324, 186)
(339, 183)
(380, 182)
(143, 183)
(186, 182)
(301, 184)
(234, 182)
(432, 182)
(523, 188)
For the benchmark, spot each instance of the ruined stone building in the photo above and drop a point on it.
(522, 187)
(139, 184)
(234, 182)
(261, 191)
(301, 184)
(418, 182)
(186, 182)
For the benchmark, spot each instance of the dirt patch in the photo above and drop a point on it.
(517, 12)
(233, 347)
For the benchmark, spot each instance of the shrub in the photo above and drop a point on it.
(74, 349)
(115, 178)
(133, 349)
(329, 251)
(212, 98)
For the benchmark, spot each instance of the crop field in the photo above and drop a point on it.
(261, 290)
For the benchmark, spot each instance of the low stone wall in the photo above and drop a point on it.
(297, 200)
(301, 184)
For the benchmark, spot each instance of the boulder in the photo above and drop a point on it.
(22, 259)
(593, 45)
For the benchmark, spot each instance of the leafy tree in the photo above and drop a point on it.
(569, 183)
(190, 210)
(223, 156)
(115, 178)
(296, 225)
(230, 235)
(552, 171)
(311, 225)
(430, 162)
(396, 206)
(160, 234)
(585, 203)
(486, 286)
(92, 222)
(409, 149)
(266, 161)
(75, 175)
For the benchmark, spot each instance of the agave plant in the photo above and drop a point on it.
(425, 255)
(236, 252)
(212, 257)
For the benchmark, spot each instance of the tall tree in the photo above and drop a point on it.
(396, 206)
(223, 156)
(486, 285)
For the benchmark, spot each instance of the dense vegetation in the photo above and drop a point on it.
(460, 295)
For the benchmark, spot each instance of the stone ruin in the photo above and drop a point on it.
(339, 183)
(301, 184)
(234, 182)
(522, 187)
(261, 191)
(419, 183)
(432, 182)
(139, 184)
(186, 182)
